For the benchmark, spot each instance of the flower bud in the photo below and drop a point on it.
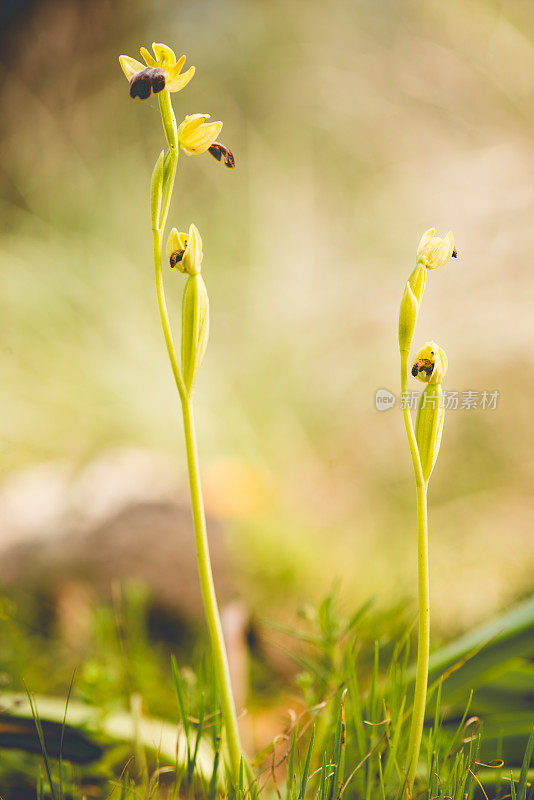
(417, 281)
(430, 364)
(168, 164)
(407, 318)
(195, 328)
(156, 190)
(429, 427)
(433, 251)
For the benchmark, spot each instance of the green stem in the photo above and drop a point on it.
(423, 644)
(199, 520)
(168, 119)
(164, 315)
(208, 594)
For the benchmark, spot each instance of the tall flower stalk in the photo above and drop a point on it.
(162, 75)
(424, 440)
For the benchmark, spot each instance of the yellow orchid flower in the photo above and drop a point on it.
(195, 135)
(430, 364)
(161, 72)
(184, 250)
(434, 251)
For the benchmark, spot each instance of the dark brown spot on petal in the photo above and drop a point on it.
(423, 365)
(455, 253)
(220, 151)
(176, 257)
(158, 78)
(141, 85)
(215, 151)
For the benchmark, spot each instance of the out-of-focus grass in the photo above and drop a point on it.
(355, 127)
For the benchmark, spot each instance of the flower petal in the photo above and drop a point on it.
(130, 66)
(150, 60)
(190, 125)
(173, 242)
(425, 238)
(193, 253)
(444, 251)
(164, 55)
(178, 82)
(204, 138)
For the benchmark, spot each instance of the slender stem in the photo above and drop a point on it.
(423, 644)
(199, 520)
(168, 119)
(208, 593)
(164, 315)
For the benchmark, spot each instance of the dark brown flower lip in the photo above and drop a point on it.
(423, 365)
(142, 83)
(220, 152)
(159, 78)
(175, 257)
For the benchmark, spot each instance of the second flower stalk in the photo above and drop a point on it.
(429, 366)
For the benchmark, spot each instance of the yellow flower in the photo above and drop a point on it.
(195, 135)
(184, 250)
(430, 364)
(161, 72)
(433, 251)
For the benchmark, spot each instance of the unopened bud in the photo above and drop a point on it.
(407, 318)
(168, 164)
(195, 328)
(417, 281)
(429, 427)
(156, 190)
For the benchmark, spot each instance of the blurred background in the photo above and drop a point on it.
(355, 127)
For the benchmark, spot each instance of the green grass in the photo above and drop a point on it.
(349, 737)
